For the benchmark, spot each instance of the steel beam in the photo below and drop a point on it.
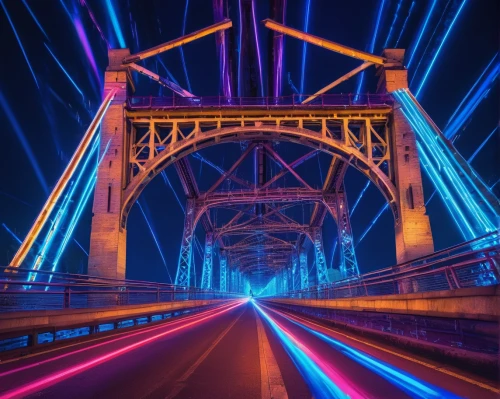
(319, 255)
(223, 270)
(348, 263)
(318, 41)
(183, 275)
(206, 276)
(304, 271)
(225, 24)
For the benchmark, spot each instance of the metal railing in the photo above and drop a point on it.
(73, 291)
(460, 266)
(293, 101)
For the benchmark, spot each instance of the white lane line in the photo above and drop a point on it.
(272, 384)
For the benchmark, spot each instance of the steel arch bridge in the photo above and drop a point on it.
(140, 137)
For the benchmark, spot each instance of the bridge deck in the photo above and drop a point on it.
(221, 353)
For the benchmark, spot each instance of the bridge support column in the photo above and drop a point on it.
(223, 271)
(184, 266)
(348, 262)
(206, 276)
(304, 271)
(108, 238)
(319, 256)
(295, 272)
(413, 230)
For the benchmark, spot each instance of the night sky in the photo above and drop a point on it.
(43, 115)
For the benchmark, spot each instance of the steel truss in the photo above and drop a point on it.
(182, 277)
(206, 277)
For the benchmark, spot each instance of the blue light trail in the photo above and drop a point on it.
(12, 233)
(405, 381)
(377, 217)
(115, 23)
(20, 43)
(155, 239)
(464, 111)
(388, 38)
(421, 33)
(372, 44)
(254, 21)
(452, 182)
(304, 47)
(319, 382)
(34, 18)
(64, 70)
(471, 158)
(404, 24)
(442, 42)
(360, 196)
(24, 143)
(181, 48)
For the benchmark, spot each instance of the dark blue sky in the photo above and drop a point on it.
(54, 115)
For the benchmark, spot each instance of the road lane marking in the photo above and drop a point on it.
(182, 381)
(272, 384)
(411, 359)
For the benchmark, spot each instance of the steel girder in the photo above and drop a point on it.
(304, 271)
(295, 272)
(223, 269)
(319, 256)
(206, 276)
(182, 277)
(348, 264)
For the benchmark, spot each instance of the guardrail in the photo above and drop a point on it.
(293, 101)
(471, 264)
(73, 291)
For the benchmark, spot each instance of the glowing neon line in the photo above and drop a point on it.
(239, 48)
(92, 17)
(377, 217)
(403, 380)
(86, 46)
(115, 23)
(34, 18)
(392, 24)
(443, 41)
(422, 30)
(11, 233)
(372, 44)
(258, 48)
(360, 196)
(304, 49)
(70, 371)
(471, 158)
(64, 70)
(182, 50)
(404, 24)
(20, 43)
(24, 142)
(333, 252)
(155, 239)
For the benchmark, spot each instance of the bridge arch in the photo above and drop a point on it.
(306, 137)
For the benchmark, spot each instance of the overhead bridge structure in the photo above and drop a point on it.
(257, 284)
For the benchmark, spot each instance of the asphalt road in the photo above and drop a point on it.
(218, 354)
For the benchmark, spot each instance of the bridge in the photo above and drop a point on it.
(270, 316)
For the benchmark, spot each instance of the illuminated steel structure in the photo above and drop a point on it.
(143, 136)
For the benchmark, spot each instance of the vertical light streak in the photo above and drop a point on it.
(24, 143)
(151, 230)
(86, 47)
(258, 48)
(11, 233)
(404, 24)
(304, 49)
(115, 23)
(422, 31)
(20, 43)
(372, 44)
(182, 50)
(442, 42)
(35, 18)
(333, 252)
(388, 38)
(64, 70)
(239, 47)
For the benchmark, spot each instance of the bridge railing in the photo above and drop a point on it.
(471, 264)
(293, 101)
(73, 291)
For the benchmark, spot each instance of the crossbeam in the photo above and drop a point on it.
(225, 24)
(329, 45)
